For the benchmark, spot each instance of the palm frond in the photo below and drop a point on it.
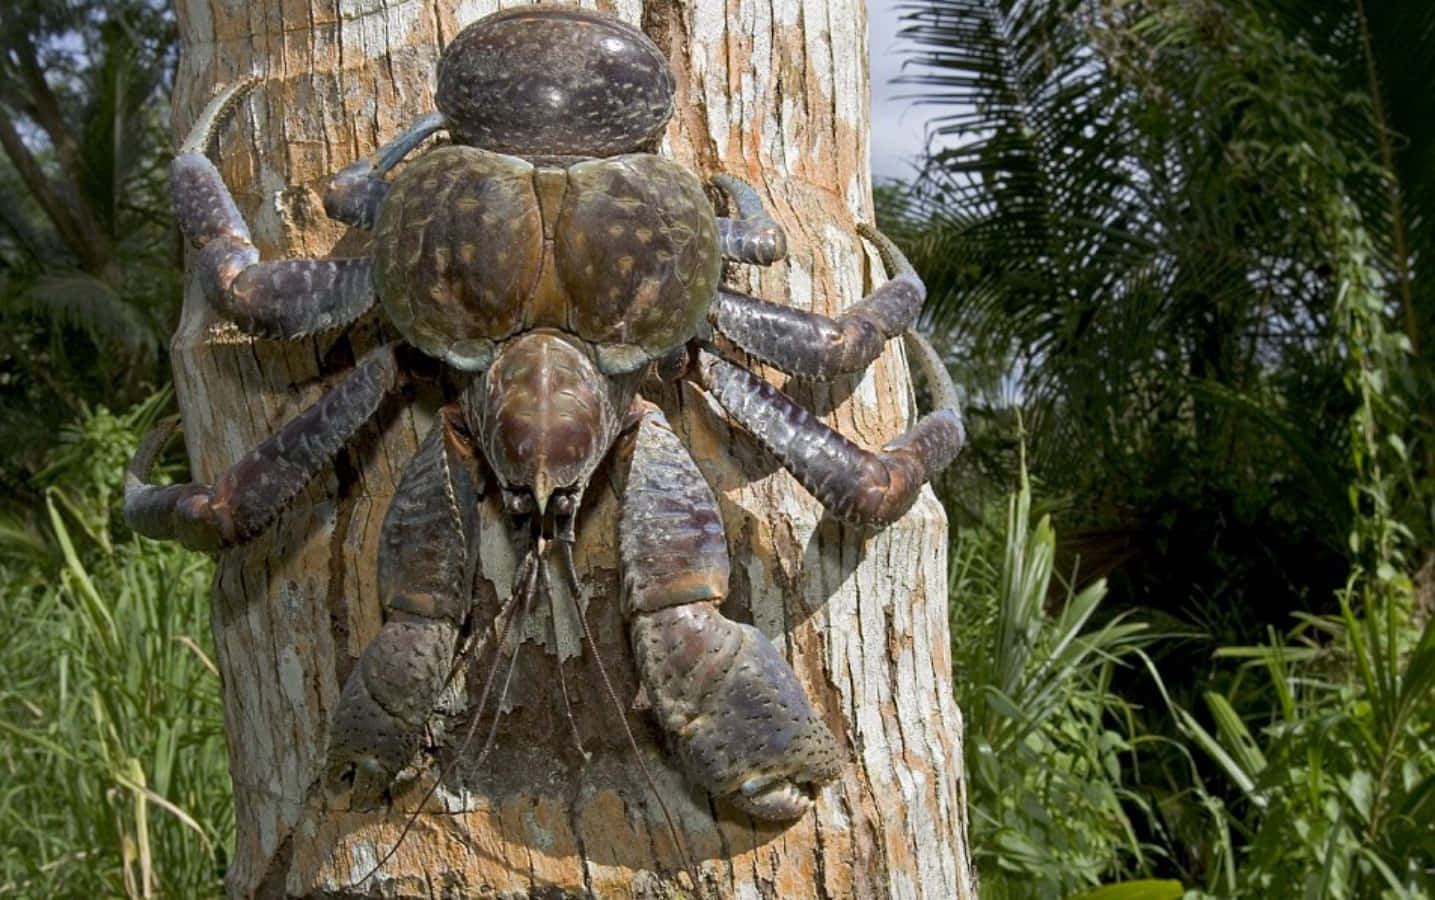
(87, 304)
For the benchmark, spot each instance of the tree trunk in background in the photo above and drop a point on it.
(775, 92)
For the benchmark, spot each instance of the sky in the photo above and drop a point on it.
(897, 125)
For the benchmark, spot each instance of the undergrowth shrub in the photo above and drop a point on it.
(1337, 774)
(1047, 737)
(113, 756)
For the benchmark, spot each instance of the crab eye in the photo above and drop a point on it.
(517, 503)
(564, 505)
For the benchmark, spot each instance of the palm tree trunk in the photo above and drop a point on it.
(775, 92)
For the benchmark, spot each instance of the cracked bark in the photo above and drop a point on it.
(774, 91)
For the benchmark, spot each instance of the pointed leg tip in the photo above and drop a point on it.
(893, 258)
(202, 132)
(147, 453)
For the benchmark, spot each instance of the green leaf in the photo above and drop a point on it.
(1140, 889)
(1234, 734)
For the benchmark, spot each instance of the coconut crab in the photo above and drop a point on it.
(548, 266)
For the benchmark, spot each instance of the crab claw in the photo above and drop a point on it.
(737, 717)
(379, 723)
(739, 721)
(779, 801)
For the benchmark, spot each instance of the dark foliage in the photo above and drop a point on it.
(1117, 210)
(89, 284)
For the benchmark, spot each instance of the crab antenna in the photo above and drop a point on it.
(565, 556)
(527, 576)
(202, 131)
(529, 591)
(563, 685)
(633, 745)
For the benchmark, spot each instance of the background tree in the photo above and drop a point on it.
(1125, 210)
(87, 285)
(293, 609)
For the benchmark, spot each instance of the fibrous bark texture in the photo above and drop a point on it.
(557, 804)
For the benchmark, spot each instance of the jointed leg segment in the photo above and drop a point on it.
(248, 497)
(751, 235)
(811, 345)
(356, 191)
(858, 485)
(281, 299)
(855, 484)
(284, 298)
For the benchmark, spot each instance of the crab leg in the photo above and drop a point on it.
(249, 496)
(281, 299)
(356, 190)
(751, 236)
(855, 484)
(810, 345)
(423, 578)
(738, 719)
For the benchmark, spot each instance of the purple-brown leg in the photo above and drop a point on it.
(287, 298)
(750, 234)
(249, 496)
(736, 715)
(356, 191)
(855, 484)
(810, 345)
(424, 575)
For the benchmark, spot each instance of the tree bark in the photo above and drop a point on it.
(774, 91)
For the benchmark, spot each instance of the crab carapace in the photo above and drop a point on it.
(550, 262)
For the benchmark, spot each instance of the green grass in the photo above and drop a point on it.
(111, 735)
(1308, 773)
(1331, 754)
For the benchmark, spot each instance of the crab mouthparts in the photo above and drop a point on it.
(532, 579)
(548, 527)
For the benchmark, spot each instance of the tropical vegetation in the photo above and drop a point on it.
(1187, 244)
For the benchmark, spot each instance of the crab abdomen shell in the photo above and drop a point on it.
(473, 247)
(554, 80)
